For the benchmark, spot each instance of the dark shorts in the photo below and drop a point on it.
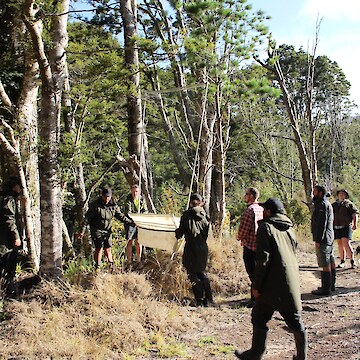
(325, 255)
(131, 232)
(345, 232)
(102, 239)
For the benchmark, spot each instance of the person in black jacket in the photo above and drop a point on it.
(99, 216)
(194, 225)
(323, 234)
(10, 240)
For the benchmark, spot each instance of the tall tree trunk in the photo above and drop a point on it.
(137, 140)
(28, 126)
(135, 122)
(52, 69)
(218, 196)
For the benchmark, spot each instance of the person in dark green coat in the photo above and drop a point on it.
(10, 239)
(99, 216)
(194, 225)
(276, 283)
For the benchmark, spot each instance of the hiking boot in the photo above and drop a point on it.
(341, 265)
(324, 290)
(257, 346)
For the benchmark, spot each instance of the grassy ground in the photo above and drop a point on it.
(145, 315)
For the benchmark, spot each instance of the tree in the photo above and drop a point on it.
(52, 68)
(306, 85)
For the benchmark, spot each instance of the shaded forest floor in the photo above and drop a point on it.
(118, 317)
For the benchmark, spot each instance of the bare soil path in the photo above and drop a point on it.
(333, 323)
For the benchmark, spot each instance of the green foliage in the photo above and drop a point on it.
(74, 270)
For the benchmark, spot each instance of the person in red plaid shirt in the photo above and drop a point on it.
(247, 232)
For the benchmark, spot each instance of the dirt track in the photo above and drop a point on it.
(333, 323)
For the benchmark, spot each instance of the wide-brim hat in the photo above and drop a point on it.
(344, 191)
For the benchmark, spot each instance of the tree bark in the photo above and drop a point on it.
(52, 68)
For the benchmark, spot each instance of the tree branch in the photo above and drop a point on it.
(4, 97)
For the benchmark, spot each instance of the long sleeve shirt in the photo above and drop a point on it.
(249, 224)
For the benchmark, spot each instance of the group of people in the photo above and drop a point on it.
(269, 243)
(265, 232)
(99, 216)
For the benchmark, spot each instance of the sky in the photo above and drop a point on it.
(293, 22)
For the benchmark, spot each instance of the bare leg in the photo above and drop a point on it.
(138, 251)
(108, 254)
(98, 255)
(129, 251)
(341, 249)
(348, 248)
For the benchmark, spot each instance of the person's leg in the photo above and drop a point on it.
(129, 252)
(333, 270)
(138, 247)
(197, 288)
(108, 254)
(349, 250)
(206, 288)
(97, 256)
(323, 254)
(8, 264)
(296, 325)
(249, 257)
(341, 249)
(260, 316)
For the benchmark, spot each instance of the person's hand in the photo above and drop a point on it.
(17, 242)
(354, 227)
(255, 293)
(317, 244)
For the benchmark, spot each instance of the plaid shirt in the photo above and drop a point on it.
(248, 225)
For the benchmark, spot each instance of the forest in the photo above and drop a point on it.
(180, 97)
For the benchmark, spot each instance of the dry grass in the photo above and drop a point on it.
(117, 316)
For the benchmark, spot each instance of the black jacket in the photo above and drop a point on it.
(100, 215)
(322, 221)
(194, 225)
(9, 219)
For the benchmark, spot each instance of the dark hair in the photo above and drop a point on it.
(321, 188)
(13, 181)
(106, 191)
(254, 192)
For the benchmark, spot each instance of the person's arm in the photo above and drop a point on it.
(263, 255)
(122, 217)
(246, 224)
(320, 223)
(355, 218)
(9, 213)
(180, 231)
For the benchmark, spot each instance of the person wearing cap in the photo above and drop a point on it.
(10, 239)
(276, 284)
(101, 212)
(322, 219)
(247, 232)
(134, 204)
(346, 217)
(194, 226)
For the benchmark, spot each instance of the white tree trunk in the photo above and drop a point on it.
(52, 68)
